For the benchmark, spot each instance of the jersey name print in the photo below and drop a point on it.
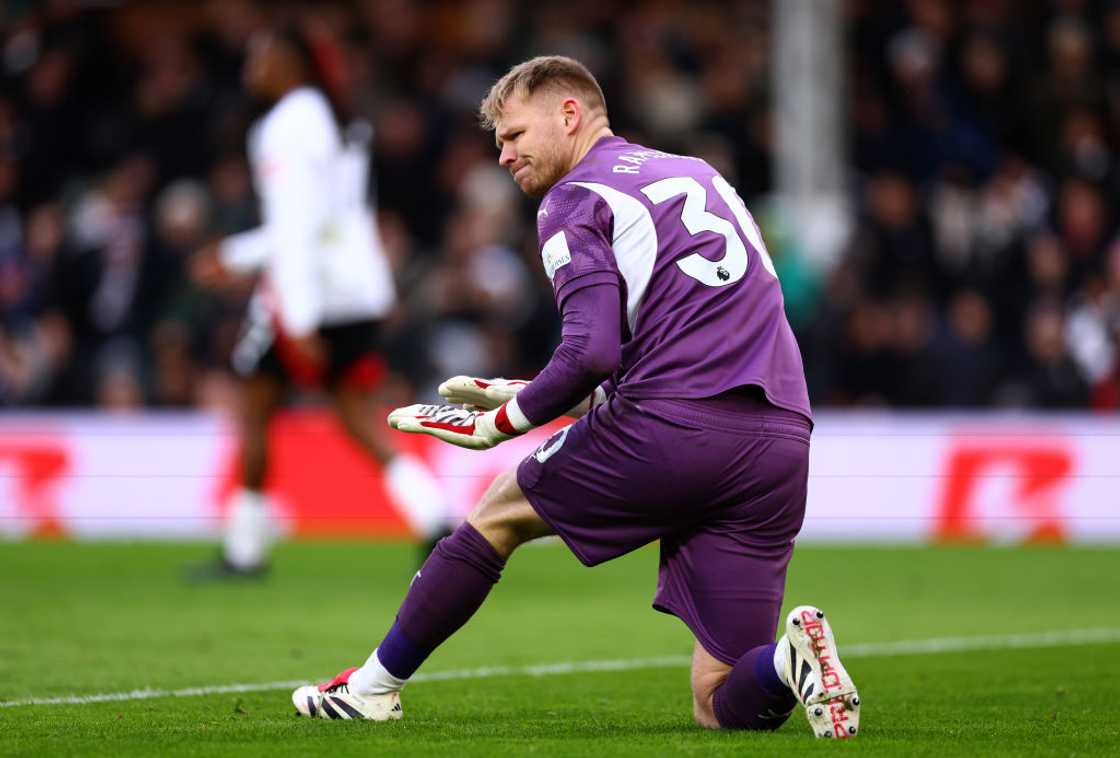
(702, 306)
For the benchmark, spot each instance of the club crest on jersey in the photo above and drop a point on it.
(555, 254)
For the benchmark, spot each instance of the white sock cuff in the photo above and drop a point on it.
(780, 654)
(374, 679)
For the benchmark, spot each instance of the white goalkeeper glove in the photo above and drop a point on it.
(487, 394)
(480, 394)
(475, 430)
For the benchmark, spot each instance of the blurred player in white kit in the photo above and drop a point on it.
(325, 285)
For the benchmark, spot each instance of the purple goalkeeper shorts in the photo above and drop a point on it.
(721, 482)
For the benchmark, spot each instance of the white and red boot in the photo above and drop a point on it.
(811, 668)
(334, 700)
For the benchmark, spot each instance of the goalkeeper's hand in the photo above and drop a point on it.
(475, 430)
(480, 394)
(487, 394)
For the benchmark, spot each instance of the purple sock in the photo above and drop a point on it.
(752, 696)
(447, 590)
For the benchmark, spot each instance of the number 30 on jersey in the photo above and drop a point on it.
(696, 218)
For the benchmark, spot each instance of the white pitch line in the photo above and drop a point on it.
(989, 642)
(860, 650)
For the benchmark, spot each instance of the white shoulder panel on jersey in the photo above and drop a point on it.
(634, 244)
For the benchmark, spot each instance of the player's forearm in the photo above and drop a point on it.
(244, 252)
(589, 353)
(563, 388)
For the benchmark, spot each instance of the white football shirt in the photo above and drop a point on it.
(318, 244)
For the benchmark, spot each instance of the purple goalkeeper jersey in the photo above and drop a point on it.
(701, 307)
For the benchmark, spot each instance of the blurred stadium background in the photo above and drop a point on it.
(937, 182)
(957, 161)
(939, 186)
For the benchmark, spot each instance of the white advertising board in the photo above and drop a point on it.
(881, 477)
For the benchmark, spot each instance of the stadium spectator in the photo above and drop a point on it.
(982, 144)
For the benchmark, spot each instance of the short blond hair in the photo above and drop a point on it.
(555, 72)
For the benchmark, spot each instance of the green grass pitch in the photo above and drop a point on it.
(80, 619)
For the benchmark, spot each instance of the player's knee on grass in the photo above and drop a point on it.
(737, 697)
(702, 712)
(706, 676)
(504, 517)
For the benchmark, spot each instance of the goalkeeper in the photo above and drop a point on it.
(694, 421)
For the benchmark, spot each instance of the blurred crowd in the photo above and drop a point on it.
(983, 269)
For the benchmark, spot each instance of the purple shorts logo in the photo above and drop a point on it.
(555, 442)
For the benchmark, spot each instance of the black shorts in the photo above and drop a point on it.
(353, 353)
